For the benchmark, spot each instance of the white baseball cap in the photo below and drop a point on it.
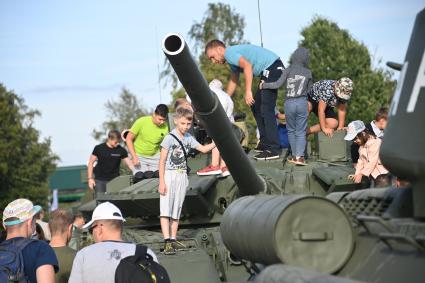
(105, 211)
(353, 129)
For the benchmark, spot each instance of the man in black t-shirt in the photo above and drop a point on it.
(108, 156)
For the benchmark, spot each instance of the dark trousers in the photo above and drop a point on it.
(264, 109)
(100, 186)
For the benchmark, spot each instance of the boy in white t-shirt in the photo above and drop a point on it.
(173, 181)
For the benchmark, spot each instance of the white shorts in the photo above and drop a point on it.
(171, 204)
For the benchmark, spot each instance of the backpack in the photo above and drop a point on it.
(11, 260)
(140, 268)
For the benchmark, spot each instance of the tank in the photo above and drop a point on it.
(267, 213)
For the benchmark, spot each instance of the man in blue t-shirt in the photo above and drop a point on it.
(40, 263)
(253, 61)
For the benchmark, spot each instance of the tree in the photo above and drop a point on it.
(335, 54)
(121, 114)
(25, 162)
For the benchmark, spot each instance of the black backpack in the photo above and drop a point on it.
(11, 260)
(140, 268)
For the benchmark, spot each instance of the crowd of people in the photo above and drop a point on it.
(160, 149)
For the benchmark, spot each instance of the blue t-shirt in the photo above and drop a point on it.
(36, 254)
(260, 58)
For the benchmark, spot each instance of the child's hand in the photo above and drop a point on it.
(355, 178)
(162, 189)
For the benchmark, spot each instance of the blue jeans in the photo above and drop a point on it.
(263, 110)
(296, 113)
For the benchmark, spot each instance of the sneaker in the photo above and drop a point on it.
(169, 249)
(291, 159)
(178, 246)
(259, 148)
(266, 155)
(225, 172)
(209, 170)
(300, 161)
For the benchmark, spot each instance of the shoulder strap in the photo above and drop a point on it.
(181, 144)
(140, 253)
(20, 243)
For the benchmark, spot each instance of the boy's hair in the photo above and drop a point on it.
(161, 110)
(114, 135)
(214, 43)
(182, 112)
(180, 101)
(59, 221)
(381, 114)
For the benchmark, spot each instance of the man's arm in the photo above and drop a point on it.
(90, 179)
(341, 116)
(231, 87)
(45, 273)
(322, 119)
(128, 163)
(162, 189)
(247, 70)
(130, 145)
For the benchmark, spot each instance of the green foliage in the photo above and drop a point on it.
(121, 114)
(334, 53)
(25, 162)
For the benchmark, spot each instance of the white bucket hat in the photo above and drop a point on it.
(353, 129)
(21, 209)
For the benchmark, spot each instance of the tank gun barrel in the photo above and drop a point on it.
(212, 114)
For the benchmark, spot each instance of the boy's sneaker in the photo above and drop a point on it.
(169, 249)
(225, 172)
(300, 161)
(178, 246)
(209, 170)
(266, 155)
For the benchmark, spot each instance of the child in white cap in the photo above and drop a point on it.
(369, 164)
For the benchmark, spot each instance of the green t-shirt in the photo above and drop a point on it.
(65, 257)
(148, 136)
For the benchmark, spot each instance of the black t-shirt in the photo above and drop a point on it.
(108, 161)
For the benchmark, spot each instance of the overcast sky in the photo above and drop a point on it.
(67, 58)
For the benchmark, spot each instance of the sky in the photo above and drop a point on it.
(68, 58)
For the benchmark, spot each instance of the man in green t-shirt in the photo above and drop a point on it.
(60, 224)
(144, 139)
